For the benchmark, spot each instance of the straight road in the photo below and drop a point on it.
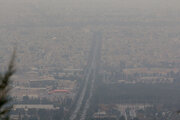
(83, 101)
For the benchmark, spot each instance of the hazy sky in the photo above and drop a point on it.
(10, 9)
(117, 3)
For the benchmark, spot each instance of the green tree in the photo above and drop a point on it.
(4, 90)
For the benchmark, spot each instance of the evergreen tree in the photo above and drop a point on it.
(4, 90)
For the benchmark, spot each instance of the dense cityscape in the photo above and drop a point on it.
(91, 60)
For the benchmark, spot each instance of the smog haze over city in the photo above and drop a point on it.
(92, 59)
